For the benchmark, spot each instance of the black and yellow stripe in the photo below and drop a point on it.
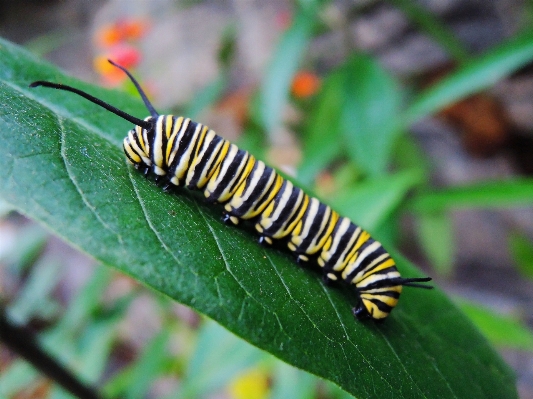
(180, 152)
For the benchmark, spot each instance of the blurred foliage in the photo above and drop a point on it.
(354, 133)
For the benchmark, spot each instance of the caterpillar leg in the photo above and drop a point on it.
(329, 278)
(164, 183)
(360, 312)
(143, 169)
(264, 241)
(302, 259)
(228, 219)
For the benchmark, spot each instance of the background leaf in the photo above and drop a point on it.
(370, 113)
(322, 135)
(504, 331)
(473, 76)
(504, 193)
(432, 25)
(275, 87)
(62, 165)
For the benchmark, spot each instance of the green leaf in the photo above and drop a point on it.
(474, 76)
(322, 137)
(27, 248)
(216, 347)
(148, 367)
(409, 156)
(504, 331)
(372, 202)
(369, 119)
(277, 80)
(289, 382)
(355, 112)
(18, 376)
(136, 380)
(434, 27)
(506, 193)
(435, 233)
(522, 251)
(63, 166)
(85, 303)
(35, 297)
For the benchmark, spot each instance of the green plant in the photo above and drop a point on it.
(63, 166)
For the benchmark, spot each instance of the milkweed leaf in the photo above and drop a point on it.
(62, 165)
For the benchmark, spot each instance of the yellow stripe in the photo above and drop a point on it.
(139, 131)
(263, 202)
(388, 263)
(201, 140)
(168, 125)
(363, 237)
(222, 148)
(133, 155)
(171, 139)
(290, 228)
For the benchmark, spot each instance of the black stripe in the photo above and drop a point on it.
(261, 194)
(381, 305)
(199, 140)
(343, 242)
(368, 259)
(182, 146)
(315, 225)
(298, 210)
(229, 175)
(286, 212)
(244, 163)
(136, 138)
(249, 202)
(198, 169)
(132, 149)
(164, 143)
(150, 138)
(383, 283)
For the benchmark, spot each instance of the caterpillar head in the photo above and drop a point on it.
(137, 146)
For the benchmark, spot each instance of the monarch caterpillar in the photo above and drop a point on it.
(180, 152)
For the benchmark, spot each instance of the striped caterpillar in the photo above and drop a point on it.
(180, 152)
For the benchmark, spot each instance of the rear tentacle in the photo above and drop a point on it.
(412, 282)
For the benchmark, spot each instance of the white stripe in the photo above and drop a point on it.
(342, 261)
(158, 146)
(172, 140)
(352, 267)
(209, 137)
(184, 162)
(213, 184)
(363, 255)
(312, 210)
(237, 202)
(345, 224)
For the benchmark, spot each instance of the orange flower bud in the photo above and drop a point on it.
(124, 55)
(305, 84)
(108, 36)
(132, 29)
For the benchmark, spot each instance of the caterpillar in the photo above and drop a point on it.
(180, 152)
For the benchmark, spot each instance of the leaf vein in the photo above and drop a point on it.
(72, 178)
